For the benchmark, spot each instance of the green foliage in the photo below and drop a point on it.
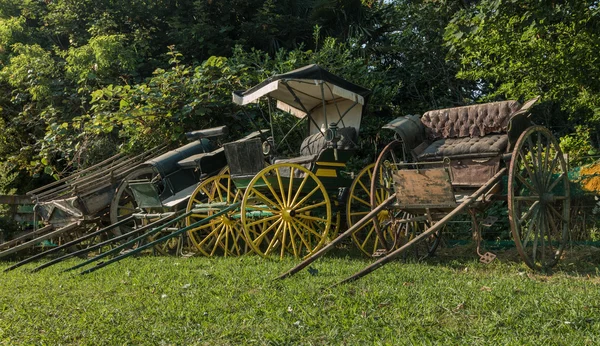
(578, 146)
(102, 61)
(520, 49)
(31, 71)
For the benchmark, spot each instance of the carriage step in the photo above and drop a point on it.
(489, 221)
(487, 258)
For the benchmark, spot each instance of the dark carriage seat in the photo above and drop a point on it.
(313, 145)
(195, 161)
(477, 130)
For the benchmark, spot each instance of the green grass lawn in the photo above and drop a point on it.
(234, 301)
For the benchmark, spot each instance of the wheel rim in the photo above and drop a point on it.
(359, 205)
(286, 211)
(406, 232)
(123, 203)
(538, 198)
(381, 187)
(223, 235)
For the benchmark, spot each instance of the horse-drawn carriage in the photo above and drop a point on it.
(463, 159)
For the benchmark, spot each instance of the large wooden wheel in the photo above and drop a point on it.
(223, 235)
(359, 205)
(286, 210)
(397, 227)
(123, 203)
(538, 198)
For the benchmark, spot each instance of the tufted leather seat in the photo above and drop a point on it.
(469, 121)
(477, 130)
(463, 147)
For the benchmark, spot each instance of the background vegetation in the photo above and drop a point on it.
(81, 80)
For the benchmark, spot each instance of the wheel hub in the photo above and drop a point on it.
(225, 220)
(546, 198)
(287, 214)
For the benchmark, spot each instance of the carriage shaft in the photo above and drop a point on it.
(467, 202)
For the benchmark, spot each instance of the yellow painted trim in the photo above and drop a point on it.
(332, 164)
(324, 172)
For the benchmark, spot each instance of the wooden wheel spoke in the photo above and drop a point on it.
(527, 198)
(309, 229)
(283, 239)
(305, 198)
(273, 241)
(530, 228)
(362, 201)
(290, 186)
(525, 182)
(555, 231)
(299, 190)
(560, 177)
(538, 151)
(555, 212)
(281, 187)
(357, 213)
(552, 166)
(529, 212)
(301, 236)
(263, 220)
(546, 163)
(364, 187)
(265, 232)
(311, 218)
(273, 193)
(310, 207)
(368, 235)
(292, 239)
(201, 227)
(264, 198)
(531, 175)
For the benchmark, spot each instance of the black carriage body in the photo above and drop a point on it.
(182, 168)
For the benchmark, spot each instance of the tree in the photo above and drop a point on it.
(523, 48)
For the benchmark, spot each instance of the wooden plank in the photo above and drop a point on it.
(423, 188)
(26, 236)
(37, 240)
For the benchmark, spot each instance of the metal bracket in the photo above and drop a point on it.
(487, 258)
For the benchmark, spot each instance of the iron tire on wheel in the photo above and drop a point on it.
(359, 205)
(538, 198)
(286, 214)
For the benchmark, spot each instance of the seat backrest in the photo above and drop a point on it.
(469, 121)
(313, 144)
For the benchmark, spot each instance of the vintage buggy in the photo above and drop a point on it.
(462, 159)
(287, 205)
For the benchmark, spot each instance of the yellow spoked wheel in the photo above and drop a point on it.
(286, 209)
(359, 205)
(223, 235)
(170, 247)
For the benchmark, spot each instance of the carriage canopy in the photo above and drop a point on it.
(314, 92)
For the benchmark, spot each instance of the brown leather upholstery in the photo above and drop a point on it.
(464, 147)
(469, 121)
